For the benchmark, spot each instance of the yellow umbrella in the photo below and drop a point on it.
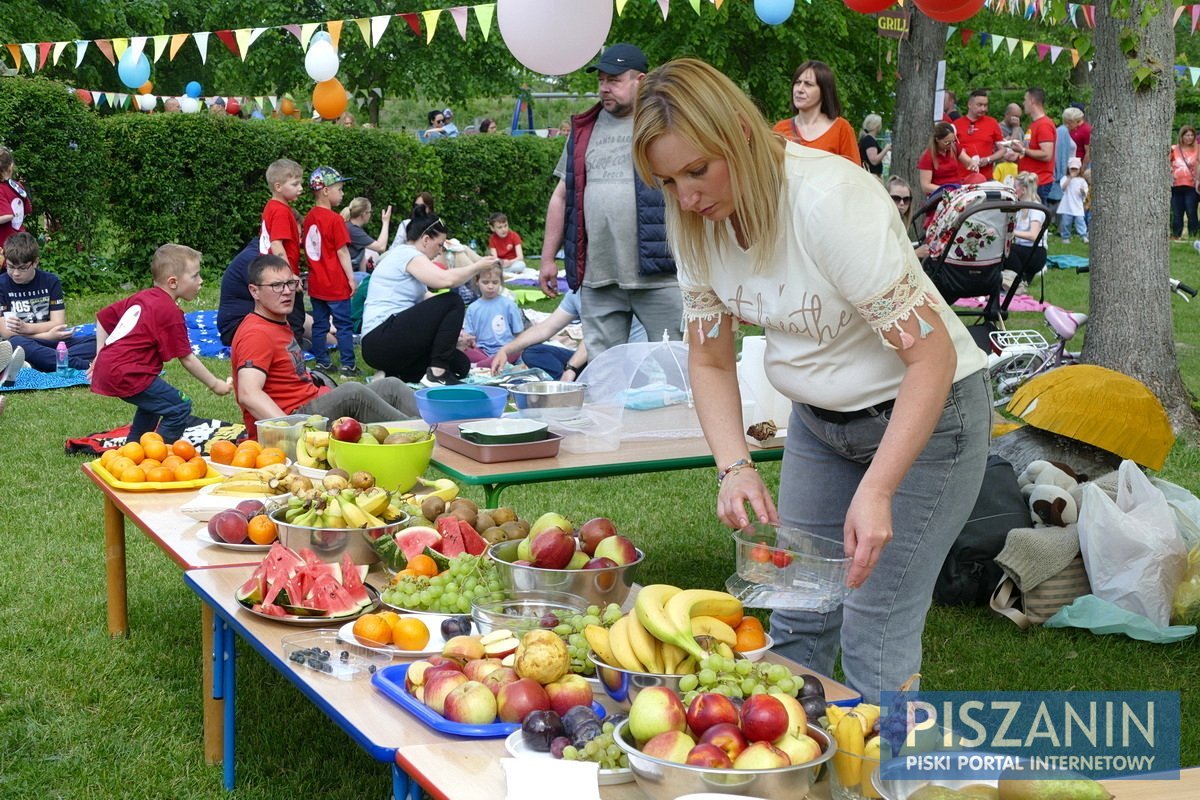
(1099, 406)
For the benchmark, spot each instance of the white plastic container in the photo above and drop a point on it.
(283, 432)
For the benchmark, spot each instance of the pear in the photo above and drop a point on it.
(379, 432)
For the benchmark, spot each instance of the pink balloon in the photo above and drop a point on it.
(950, 10)
(552, 37)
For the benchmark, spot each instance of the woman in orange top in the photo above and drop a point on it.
(818, 122)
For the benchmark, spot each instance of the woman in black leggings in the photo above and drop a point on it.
(406, 332)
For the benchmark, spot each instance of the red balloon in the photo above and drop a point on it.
(869, 6)
(949, 10)
(232, 106)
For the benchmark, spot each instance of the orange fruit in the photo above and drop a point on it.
(160, 474)
(133, 474)
(410, 633)
(222, 451)
(107, 457)
(188, 471)
(750, 635)
(172, 461)
(390, 617)
(271, 455)
(373, 628)
(245, 459)
(149, 436)
(184, 449)
(262, 530)
(119, 465)
(156, 449)
(423, 565)
(150, 463)
(198, 459)
(250, 444)
(133, 451)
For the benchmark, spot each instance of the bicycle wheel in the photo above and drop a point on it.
(1010, 372)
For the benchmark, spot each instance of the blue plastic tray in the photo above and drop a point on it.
(390, 681)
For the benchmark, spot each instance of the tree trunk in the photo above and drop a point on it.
(915, 85)
(1130, 328)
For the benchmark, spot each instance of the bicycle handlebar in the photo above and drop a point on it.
(1179, 288)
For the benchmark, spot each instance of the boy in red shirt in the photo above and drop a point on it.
(137, 335)
(280, 231)
(330, 274)
(14, 202)
(505, 244)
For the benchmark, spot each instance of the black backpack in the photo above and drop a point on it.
(970, 572)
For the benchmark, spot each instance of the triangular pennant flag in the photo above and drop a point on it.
(717, 3)
(950, 31)
(1195, 74)
(84, 95)
(364, 27)
(665, 7)
(306, 33)
(376, 91)
(15, 49)
(227, 38)
(431, 21)
(485, 14)
(201, 38)
(30, 51)
(1055, 52)
(996, 42)
(274, 98)
(100, 99)
(1043, 50)
(1011, 43)
(138, 45)
(695, 5)
(621, 7)
(119, 46)
(80, 49)
(120, 97)
(1178, 14)
(242, 37)
(177, 41)
(459, 15)
(1195, 17)
(160, 45)
(58, 49)
(1026, 47)
(105, 47)
(293, 29)
(1089, 14)
(43, 53)
(413, 22)
(380, 24)
(334, 26)
(1074, 58)
(965, 34)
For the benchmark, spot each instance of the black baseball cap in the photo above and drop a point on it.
(620, 58)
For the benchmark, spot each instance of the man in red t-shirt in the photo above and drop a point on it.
(979, 135)
(330, 273)
(280, 231)
(1037, 152)
(505, 244)
(269, 375)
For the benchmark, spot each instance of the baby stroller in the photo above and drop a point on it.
(970, 245)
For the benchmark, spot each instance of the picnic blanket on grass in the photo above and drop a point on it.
(198, 431)
(1067, 261)
(1021, 302)
(29, 379)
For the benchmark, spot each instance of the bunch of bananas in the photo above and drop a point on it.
(444, 488)
(659, 635)
(312, 448)
(857, 739)
(266, 481)
(343, 508)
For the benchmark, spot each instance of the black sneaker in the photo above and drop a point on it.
(447, 378)
(349, 373)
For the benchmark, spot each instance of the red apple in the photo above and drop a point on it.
(594, 531)
(499, 677)
(569, 691)
(761, 755)
(799, 749)
(346, 429)
(518, 698)
(709, 755)
(727, 736)
(618, 548)
(600, 563)
(439, 685)
(708, 709)
(228, 526)
(553, 549)
(415, 676)
(480, 668)
(655, 710)
(670, 746)
(764, 719)
(470, 703)
(442, 661)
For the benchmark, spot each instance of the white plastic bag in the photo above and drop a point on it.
(1134, 555)
(1187, 510)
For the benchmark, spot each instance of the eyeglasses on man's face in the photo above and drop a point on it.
(279, 287)
(14, 267)
(901, 198)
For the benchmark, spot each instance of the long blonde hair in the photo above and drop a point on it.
(1026, 185)
(694, 101)
(356, 208)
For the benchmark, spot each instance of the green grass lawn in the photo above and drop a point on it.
(82, 716)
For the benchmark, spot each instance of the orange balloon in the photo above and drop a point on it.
(146, 88)
(287, 107)
(329, 98)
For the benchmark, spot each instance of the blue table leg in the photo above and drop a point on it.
(400, 783)
(218, 658)
(229, 652)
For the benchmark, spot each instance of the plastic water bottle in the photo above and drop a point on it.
(60, 363)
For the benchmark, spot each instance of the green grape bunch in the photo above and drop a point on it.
(449, 592)
(570, 628)
(601, 749)
(738, 679)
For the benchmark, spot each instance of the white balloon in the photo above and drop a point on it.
(147, 102)
(189, 105)
(321, 61)
(552, 37)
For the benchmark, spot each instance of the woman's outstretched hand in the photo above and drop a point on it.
(742, 488)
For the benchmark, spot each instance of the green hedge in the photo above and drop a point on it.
(130, 182)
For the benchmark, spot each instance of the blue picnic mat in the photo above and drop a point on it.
(30, 379)
(1067, 261)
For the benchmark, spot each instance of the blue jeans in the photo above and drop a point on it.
(550, 358)
(160, 401)
(879, 626)
(1183, 203)
(43, 355)
(1064, 226)
(339, 310)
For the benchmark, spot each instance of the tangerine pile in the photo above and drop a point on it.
(750, 635)
(388, 627)
(150, 460)
(247, 455)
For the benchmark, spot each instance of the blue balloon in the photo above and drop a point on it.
(193, 89)
(774, 12)
(133, 72)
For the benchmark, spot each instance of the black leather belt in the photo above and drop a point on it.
(842, 417)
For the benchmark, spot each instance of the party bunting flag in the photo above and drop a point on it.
(246, 37)
(621, 7)
(1043, 50)
(294, 30)
(43, 53)
(119, 45)
(138, 45)
(306, 33)
(1026, 46)
(160, 45)
(80, 48)
(379, 24)
(229, 41)
(484, 14)
(665, 6)
(431, 21)
(58, 50)
(1195, 73)
(996, 42)
(695, 5)
(105, 47)
(459, 15)
(364, 29)
(1055, 52)
(1195, 17)
(1012, 44)
(201, 40)
(413, 22)
(177, 41)
(29, 49)
(334, 26)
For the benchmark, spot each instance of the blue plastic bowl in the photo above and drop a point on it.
(449, 403)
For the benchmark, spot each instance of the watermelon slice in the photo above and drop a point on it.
(452, 540)
(476, 545)
(352, 582)
(270, 609)
(329, 596)
(413, 541)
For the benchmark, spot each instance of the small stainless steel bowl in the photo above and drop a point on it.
(548, 399)
(596, 586)
(622, 685)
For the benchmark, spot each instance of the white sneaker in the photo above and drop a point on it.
(8, 375)
(6, 351)
(1196, 245)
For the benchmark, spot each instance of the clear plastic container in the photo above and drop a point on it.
(323, 652)
(780, 567)
(589, 431)
(283, 432)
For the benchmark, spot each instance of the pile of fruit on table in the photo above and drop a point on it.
(151, 460)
